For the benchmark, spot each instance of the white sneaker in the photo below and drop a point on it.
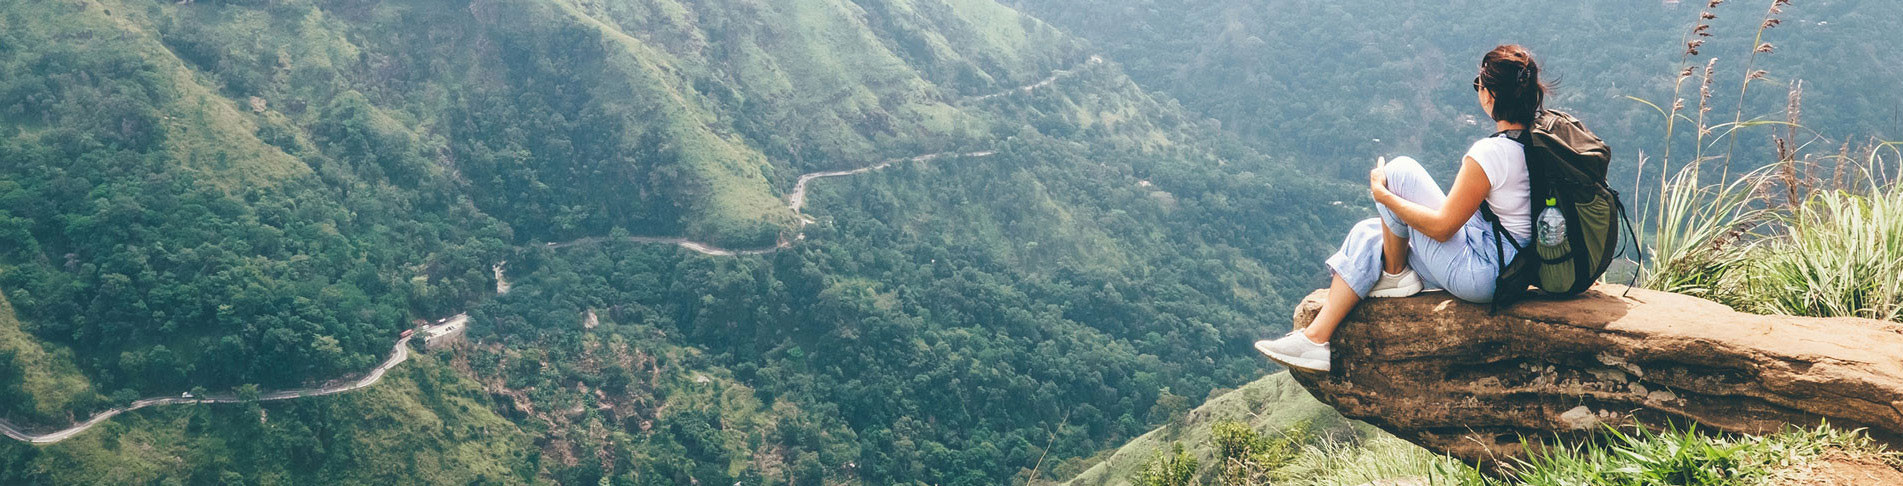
(1401, 284)
(1296, 351)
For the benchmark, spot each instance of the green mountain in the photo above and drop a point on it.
(219, 194)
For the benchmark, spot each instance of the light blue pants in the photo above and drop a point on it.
(1464, 265)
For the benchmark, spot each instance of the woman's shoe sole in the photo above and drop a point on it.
(1293, 363)
(1395, 292)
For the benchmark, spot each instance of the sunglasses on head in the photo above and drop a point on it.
(1476, 84)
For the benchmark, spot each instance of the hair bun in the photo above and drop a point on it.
(1513, 76)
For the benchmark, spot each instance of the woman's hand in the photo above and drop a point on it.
(1378, 180)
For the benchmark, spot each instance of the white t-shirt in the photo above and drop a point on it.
(1504, 161)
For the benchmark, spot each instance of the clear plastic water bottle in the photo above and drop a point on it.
(1551, 227)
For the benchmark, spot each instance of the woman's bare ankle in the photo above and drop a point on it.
(1313, 339)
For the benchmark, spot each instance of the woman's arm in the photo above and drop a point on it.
(1470, 189)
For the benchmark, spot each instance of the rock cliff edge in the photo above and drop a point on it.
(1452, 377)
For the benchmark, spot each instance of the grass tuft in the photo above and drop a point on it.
(1699, 234)
(1841, 254)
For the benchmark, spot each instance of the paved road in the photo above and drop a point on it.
(1055, 75)
(795, 202)
(398, 354)
(401, 351)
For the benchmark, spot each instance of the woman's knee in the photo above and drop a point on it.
(1403, 168)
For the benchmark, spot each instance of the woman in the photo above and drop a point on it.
(1426, 237)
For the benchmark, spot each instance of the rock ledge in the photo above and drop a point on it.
(1453, 378)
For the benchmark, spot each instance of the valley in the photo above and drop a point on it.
(796, 201)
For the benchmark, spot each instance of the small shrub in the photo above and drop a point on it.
(1176, 468)
(1249, 457)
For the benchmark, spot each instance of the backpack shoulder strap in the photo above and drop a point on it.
(1499, 250)
(1523, 136)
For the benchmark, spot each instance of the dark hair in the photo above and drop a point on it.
(1510, 72)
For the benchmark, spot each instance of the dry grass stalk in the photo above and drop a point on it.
(1759, 46)
(1704, 107)
(1837, 177)
(1882, 170)
(1692, 40)
(1785, 173)
(1786, 149)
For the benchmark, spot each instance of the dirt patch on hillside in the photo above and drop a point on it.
(1843, 470)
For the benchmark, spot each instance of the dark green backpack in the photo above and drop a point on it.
(1566, 168)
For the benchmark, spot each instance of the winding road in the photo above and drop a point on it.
(796, 201)
(399, 354)
(1055, 75)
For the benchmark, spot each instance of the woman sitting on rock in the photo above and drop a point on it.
(1427, 237)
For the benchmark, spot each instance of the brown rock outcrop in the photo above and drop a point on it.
(1451, 377)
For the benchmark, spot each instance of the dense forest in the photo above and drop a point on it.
(244, 195)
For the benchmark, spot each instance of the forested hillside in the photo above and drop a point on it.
(172, 233)
(215, 194)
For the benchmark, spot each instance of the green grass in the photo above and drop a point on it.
(1698, 233)
(1840, 254)
(1377, 456)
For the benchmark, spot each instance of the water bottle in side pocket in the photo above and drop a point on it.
(1551, 226)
